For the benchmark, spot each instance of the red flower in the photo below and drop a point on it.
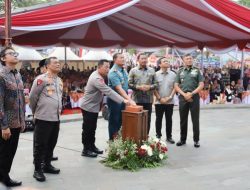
(158, 145)
(152, 146)
(164, 149)
(141, 152)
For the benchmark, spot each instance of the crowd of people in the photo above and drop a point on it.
(221, 85)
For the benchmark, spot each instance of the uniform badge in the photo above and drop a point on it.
(49, 90)
(39, 81)
(194, 72)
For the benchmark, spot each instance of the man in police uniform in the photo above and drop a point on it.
(46, 105)
(43, 69)
(118, 81)
(90, 105)
(188, 83)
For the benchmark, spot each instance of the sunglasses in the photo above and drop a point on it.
(15, 54)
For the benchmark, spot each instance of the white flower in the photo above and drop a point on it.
(161, 156)
(145, 147)
(155, 140)
(163, 143)
(149, 151)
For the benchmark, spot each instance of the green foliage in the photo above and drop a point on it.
(24, 3)
(244, 2)
(127, 155)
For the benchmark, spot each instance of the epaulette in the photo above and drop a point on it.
(194, 67)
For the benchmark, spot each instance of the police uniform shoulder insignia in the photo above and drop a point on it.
(39, 82)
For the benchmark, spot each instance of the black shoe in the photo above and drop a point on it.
(158, 136)
(54, 158)
(197, 144)
(89, 153)
(180, 143)
(97, 150)
(170, 140)
(51, 169)
(13, 183)
(38, 174)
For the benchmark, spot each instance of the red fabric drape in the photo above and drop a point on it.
(232, 10)
(64, 12)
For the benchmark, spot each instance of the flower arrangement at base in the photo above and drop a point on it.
(128, 155)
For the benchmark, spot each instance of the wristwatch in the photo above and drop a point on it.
(171, 97)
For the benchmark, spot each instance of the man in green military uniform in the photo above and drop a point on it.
(188, 83)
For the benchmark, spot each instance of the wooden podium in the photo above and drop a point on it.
(134, 124)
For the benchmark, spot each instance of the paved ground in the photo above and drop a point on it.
(222, 162)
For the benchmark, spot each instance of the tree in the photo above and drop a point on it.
(24, 3)
(27, 3)
(244, 2)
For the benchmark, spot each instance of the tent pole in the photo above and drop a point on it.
(242, 66)
(202, 59)
(65, 54)
(178, 55)
(236, 55)
(7, 22)
(172, 56)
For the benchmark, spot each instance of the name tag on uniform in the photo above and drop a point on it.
(194, 72)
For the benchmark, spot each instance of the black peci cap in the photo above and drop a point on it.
(42, 63)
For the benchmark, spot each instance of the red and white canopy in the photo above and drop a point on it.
(216, 24)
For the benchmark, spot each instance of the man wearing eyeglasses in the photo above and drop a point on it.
(12, 114)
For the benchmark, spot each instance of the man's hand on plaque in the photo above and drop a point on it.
(132, 103)
(127, 102)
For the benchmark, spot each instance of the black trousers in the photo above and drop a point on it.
(45, 139)
(88, 129)
(194, 108)
(7, 153)
(147, 106)
(160, 110)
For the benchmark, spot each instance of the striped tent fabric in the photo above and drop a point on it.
(216, 24)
